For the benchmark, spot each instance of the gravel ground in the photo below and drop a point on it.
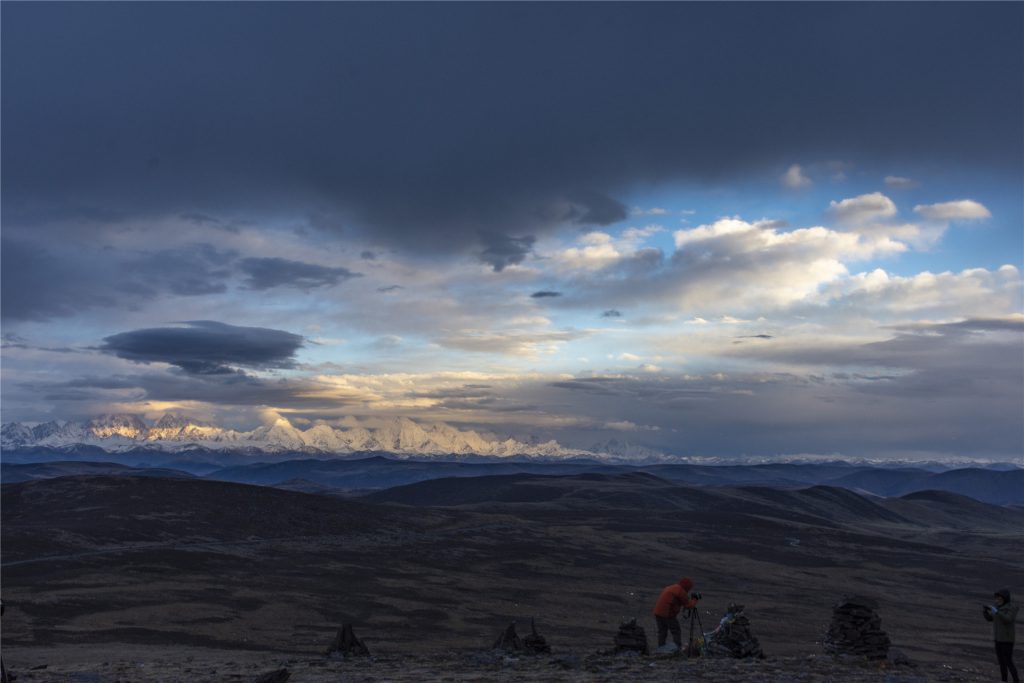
(144, 666)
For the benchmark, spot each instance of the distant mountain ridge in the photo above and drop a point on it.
(174, 433)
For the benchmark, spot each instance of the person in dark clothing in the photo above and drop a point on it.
(1003, 616)
(673, 599)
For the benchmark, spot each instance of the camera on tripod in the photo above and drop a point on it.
(695, 596)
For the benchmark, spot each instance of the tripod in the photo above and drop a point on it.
(692, 648)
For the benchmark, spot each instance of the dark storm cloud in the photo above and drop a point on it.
(40, 282)
(955, 393)
(37, 285)
(945, 349)
(451, 127)
(200, 219)
(266, 273)
(969, 325)
(501, 250)
(15, 341)
(545, 294)
(228, 389)
(612, 313)
(194, 270)
(206, 347)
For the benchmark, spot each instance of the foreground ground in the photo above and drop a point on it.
(130, 665)
(109, 578)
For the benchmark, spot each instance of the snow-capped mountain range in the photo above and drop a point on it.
(173, 433)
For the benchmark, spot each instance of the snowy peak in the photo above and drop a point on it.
(173, 427)
(172, 432)
(126, 426)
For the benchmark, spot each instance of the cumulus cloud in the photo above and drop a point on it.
(638, 234)
(958, 210)
(206, 347)
(863, 208)
(741, 265)
(794, 178)
(596, 250)
(599, 251)
(730, 267)
(975, 290)
(269, 272)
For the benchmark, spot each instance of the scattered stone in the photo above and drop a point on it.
(856, 629)
(278, 676)
(631, 638)
(733, 637)
(346, 644)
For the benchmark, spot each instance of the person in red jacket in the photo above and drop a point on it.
(672, 600)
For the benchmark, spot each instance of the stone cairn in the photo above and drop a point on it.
(733, 638)
(631, 638)
(345, 644)
(533, 644)
(856, 629)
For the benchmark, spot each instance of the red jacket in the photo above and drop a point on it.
(673, 599)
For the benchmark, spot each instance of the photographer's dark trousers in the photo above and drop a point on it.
(1004, 653)
(666, 624)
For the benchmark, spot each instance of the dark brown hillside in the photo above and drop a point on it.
(145, 563)
(93, 511)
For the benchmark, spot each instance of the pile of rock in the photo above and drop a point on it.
(345, 644)
(533, 644)
(733, 638)
(856, 629)
(509, 640)
(631, 638)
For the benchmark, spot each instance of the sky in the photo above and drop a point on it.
(726, 230)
